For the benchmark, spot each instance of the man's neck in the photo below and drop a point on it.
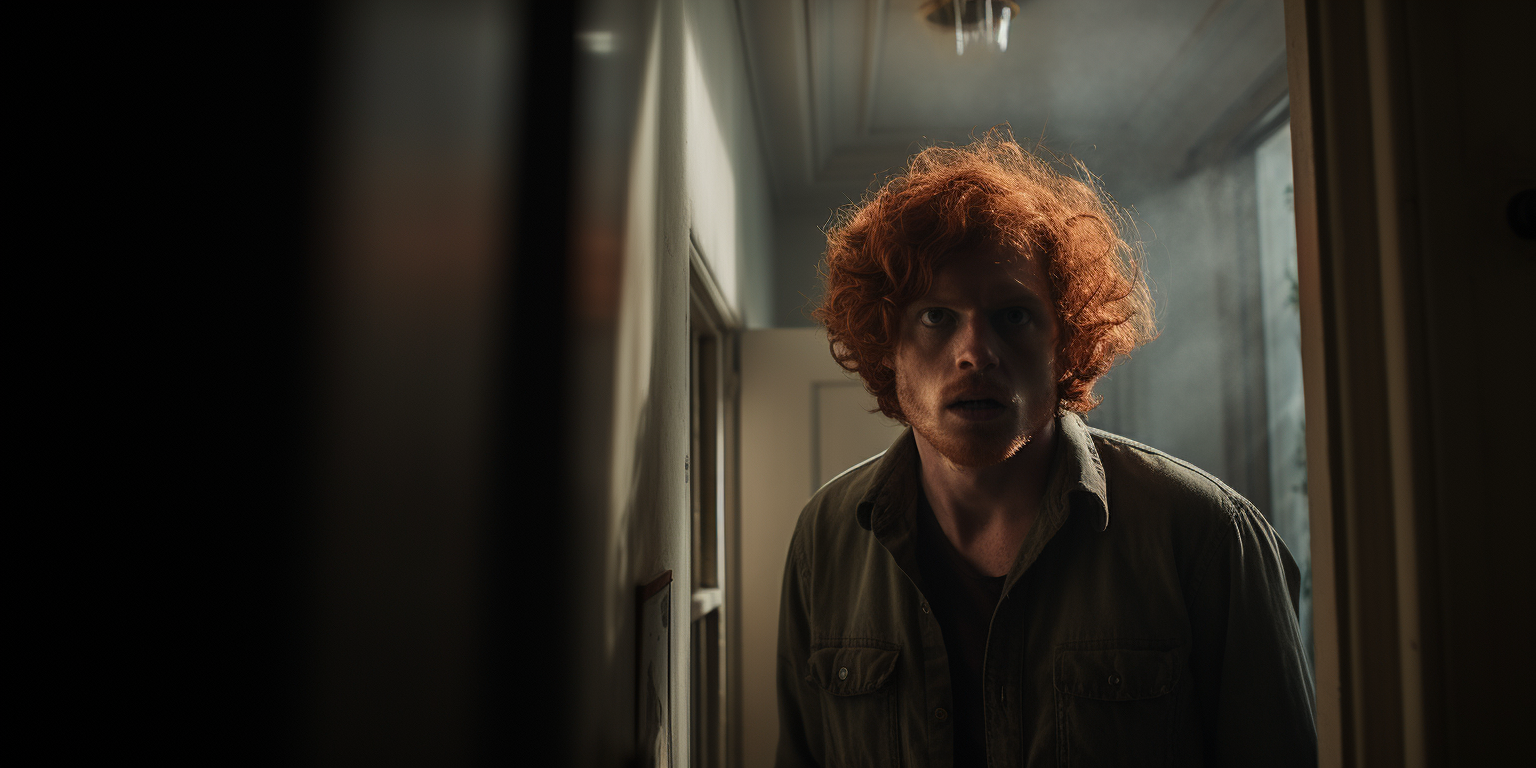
(985, 512)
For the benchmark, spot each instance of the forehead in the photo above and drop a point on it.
(990, 273)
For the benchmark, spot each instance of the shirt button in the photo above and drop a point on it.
(1114, 679)
(940, 714)
(925, 608)
(842, 673)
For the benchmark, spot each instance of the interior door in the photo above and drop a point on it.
(803, 421)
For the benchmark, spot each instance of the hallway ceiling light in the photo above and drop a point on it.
(973, 21)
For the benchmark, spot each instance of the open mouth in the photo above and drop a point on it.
(977, 409)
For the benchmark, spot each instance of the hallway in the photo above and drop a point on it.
(477, 381)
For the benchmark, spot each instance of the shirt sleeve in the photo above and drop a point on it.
(800, 720)
(1252, 681)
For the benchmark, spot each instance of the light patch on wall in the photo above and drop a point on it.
(596, 41)
(710, 176)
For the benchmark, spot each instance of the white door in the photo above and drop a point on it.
(803, 420)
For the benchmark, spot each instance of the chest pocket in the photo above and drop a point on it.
(858, 702)
(1115, 705)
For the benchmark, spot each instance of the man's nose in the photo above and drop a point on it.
(976, 345)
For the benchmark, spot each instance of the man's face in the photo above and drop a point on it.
(975, 364)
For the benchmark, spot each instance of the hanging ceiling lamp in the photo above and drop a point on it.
(974, 21)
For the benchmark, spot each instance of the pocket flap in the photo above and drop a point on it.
(1114, 674)
(850, 671)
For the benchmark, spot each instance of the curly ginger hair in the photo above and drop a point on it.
(882, 254)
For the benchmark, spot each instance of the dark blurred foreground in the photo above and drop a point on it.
(259, 429)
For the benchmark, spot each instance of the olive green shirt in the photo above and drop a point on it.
(1150, 619)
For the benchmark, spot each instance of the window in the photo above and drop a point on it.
(1281, 310)
(712, 417)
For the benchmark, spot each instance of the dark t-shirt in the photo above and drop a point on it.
(963, 600)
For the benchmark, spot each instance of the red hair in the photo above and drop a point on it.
(882, 255)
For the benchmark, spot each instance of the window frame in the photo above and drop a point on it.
(714, 395)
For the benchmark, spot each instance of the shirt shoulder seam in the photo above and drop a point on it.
(1233, 500)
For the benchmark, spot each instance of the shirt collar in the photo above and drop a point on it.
(893, 486)
(1078, 474)
(1079, 471)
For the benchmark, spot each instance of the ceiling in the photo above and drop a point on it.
(1141, 91)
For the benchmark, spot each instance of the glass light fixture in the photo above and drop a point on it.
(974, 21)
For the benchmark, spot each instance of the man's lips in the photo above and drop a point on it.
(977, 408)
(977, 394)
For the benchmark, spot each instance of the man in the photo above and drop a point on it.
(1005, 585)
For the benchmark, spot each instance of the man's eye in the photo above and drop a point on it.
(931, 317)
(1015, 315)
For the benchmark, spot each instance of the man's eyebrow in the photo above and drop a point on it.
(1019, 294)
(1024, 295)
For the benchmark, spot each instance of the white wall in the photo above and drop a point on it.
(726, 181)
(802, 419)
(668, 155)
(631, 379)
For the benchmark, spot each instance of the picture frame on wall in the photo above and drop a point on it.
(653, 670)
